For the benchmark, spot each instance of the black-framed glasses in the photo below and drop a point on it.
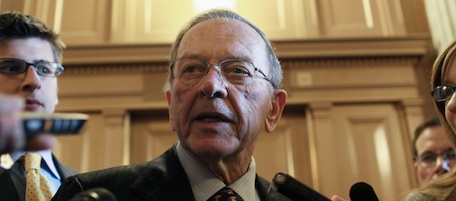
(428, 159)
(42, 68)
(236, 71)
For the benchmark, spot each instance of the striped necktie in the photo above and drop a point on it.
(37, 185)
(225, 194)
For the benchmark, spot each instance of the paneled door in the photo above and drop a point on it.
(363, 142)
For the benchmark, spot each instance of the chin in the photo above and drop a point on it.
(214, 150)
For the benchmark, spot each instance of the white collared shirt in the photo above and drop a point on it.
(204, 183)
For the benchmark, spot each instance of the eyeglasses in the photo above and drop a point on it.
(429, 159)
(443, 93)
(42, 68)
(236, 71)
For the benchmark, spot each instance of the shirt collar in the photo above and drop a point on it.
(204, 183)
(45, 154)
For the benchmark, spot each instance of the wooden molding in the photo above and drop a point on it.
(419, 45)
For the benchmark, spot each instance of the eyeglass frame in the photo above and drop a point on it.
(435, 94)
(57, 67)
(444, 155)
(209, 65)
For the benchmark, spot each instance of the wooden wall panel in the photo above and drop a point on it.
(84, 21)
(151, 135)
(278, 19)
(360, 18)
(286, 148)
(369, 146)
(84, 152)
(88, 22)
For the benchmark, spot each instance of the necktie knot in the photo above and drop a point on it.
(225, 194)
(32, 161)
(37, 187)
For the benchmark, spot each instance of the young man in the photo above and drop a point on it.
(224, 89)
(433, 151)
(29, 66)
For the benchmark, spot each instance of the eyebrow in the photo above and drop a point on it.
(195, 56)
(432, 152)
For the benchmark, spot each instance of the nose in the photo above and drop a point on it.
(441, 166)
(451, 104)
(213, 84)
(32, 80)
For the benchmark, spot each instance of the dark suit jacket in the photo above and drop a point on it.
(12, 181)
(162, 179)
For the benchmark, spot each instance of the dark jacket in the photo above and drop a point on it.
(12, 181)
(162, 179)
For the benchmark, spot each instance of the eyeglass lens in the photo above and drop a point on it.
(443, 93)
(430, 158)
(235, 71)
(18, 66)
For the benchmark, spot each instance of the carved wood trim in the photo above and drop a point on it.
(298, 49)
(126, 68)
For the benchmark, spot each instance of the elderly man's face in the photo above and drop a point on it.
(216, 117)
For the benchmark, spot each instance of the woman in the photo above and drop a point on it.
(443, 82)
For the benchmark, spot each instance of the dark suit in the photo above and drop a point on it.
(162, 179)
(12, 181)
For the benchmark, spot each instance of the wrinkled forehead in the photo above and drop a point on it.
(222, 38)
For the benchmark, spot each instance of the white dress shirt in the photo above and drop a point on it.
(204, 183)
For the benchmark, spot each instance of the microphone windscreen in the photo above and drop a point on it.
(362, 191)
(295, 190)
(95, 194)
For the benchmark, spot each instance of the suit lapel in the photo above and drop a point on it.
(166, 181)
(12, 182)
(63, 170)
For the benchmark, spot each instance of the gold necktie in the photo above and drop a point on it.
(37, 186)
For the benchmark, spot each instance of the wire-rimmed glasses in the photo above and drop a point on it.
(236, 71)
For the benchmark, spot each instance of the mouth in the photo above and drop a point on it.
(212, 118)
(32, 104)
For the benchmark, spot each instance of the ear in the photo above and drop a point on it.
(278, 103)
(170, 109)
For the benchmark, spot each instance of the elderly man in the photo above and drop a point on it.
(224, 89)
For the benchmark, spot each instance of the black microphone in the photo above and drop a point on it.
(294, 189)
(95, 194)
(362, 192)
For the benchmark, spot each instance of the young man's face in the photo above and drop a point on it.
(39, 93)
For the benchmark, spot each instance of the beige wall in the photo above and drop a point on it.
(355, 72)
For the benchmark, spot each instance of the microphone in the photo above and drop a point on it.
(294, 189)
(95, 194)
(362, 191)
